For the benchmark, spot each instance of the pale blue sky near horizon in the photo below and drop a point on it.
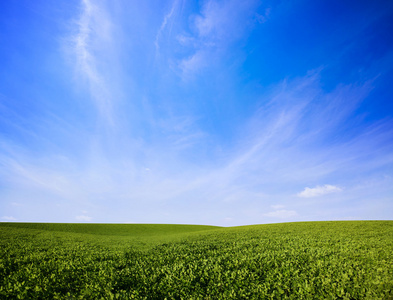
(196, 112)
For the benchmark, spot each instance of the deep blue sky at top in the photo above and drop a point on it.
(211, 112)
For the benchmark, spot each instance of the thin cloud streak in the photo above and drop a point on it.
(93, 29)
(164, 24)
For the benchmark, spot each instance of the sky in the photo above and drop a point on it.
(211, 112)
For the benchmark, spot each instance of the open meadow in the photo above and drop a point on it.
(307, 260)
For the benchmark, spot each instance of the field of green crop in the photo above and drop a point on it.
(310, 260)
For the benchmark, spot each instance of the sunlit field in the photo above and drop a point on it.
(309, 260)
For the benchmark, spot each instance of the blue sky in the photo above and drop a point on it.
(204, 112)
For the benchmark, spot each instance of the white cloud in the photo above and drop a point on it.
(281, 213)
(83, 218)
(319, 191)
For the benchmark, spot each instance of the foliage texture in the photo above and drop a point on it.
(313, 260)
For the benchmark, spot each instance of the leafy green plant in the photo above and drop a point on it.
(313, 260)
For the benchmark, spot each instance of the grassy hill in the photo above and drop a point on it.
(139, 236)
(129, 230)
(306, 260)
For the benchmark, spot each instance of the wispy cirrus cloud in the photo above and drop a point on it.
(91, 46)
(284, 146)
(167, 22)
(248, 177)
(219, 24)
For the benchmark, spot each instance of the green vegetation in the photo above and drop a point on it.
(312, 260)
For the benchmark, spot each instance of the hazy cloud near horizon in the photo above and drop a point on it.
(181, 112)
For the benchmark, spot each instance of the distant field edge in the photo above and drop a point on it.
(307, 222)
(113, 229)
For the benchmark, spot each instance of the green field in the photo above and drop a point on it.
(309, 260)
